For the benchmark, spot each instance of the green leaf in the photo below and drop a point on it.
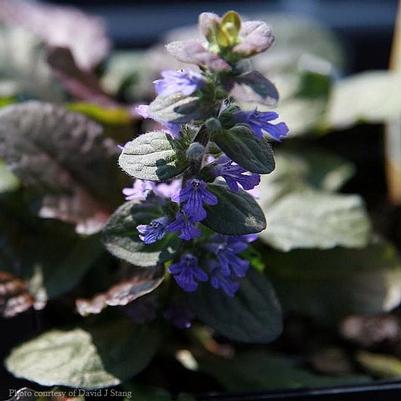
(175, 108)
(121, 237)
(316, 219)
(8, 181)
(330, 284)
(254, 87)
(92, 357)
(251, 153)
(236, 213)
(380, 365)
(261, 370)
(141, 392)
(299, 168)
(152, 156)
(65, 159)
(371, 97)
(252, 316)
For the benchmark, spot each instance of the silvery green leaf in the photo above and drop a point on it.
(253, 315)
(236, 213)
(175, 108)
(8, 181)
(85, 357)
(152, 156)
(121, 237)
(371, 97)
(315, 219)
(243, 147)
(254, 87)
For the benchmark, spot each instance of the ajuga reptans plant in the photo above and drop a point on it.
(192, 205)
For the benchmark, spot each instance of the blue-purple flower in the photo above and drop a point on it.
(260, 123)
(192, 198)
(226, 248)
(218, 280)
(185, 82)
(154, 231)
(235, 175)
(139, 191)
(185, 225)
(187, 273)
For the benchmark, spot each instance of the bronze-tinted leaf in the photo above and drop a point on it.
(140, 282)
(14, 295)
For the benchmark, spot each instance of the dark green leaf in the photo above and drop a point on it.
(175, 108)
(251, 153)
(121, 237)
(152, 156)
(312, 219)
(380, 365)
(236, 213)
(261, 370)
(328, 285)
(252, 316)
(141, 392)
(91, 357)
(254, 87)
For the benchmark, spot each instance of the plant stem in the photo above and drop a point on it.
(393, 128)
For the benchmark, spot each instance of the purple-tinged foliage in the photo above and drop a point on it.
(187, 273)
(192, 198)
(185, 225)
(235, 175)
(260, 123)
(154, 231)
(185, 82)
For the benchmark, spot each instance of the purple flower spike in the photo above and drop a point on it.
(184, 81)
(260, 122)
(187, 273)
(226, 249)
(154, 231)
(193, 196)
(219, 281)
(139, 190)
(186, 225)
(234, 175)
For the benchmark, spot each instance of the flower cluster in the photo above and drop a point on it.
(212, 156)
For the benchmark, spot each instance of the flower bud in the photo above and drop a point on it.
(195, 152)
(213, 125)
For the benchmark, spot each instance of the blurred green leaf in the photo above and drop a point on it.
(370, 97)
(380, 365)
(304, 167)
(23, 69)
(252, 316)
(141, 392)
(260, 370)
(316, 219)
(92, 357)
(8, 181)
(330, 284)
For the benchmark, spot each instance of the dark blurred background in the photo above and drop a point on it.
(364, 26)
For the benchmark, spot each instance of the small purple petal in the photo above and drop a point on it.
(139, 191)
(154, 231)
(185, 82)
(185, 225)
